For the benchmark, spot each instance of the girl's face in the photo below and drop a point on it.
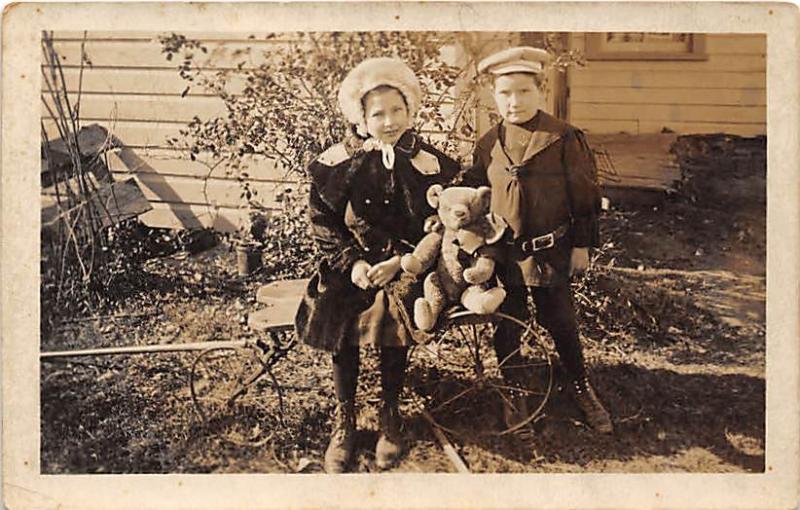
(386, 114)
(518, 97)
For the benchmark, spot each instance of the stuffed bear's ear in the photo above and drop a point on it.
(433, 195)
(484, 198)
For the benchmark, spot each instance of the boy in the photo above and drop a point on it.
(541, 172)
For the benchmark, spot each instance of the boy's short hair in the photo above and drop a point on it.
(538, 78)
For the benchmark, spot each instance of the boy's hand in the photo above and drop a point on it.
(579, 261)
(358, 275)
(382, 273)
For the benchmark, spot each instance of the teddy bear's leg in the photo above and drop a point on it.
(483, 301)
(428, 308)
(480, 272)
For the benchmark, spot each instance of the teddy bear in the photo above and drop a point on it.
(458, 240)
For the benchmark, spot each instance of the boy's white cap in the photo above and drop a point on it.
(520, 59)
(373, 73)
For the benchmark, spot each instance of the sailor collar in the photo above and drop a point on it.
(545, 131)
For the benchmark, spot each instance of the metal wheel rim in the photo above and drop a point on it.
(534, 342)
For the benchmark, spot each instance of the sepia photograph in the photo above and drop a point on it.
(239, 274)
(402, 251)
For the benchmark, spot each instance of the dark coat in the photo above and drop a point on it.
(390, 208)
(553, 185)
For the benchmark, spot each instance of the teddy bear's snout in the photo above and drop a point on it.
(460, 212)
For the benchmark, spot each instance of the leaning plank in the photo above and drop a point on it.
(446, 445)
(112, 203)
(144, 349)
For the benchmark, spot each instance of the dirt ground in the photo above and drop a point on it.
(672, 315)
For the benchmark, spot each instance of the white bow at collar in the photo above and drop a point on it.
(387, 151)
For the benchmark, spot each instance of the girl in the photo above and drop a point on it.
(368, 207)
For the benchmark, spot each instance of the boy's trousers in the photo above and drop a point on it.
(555, 312)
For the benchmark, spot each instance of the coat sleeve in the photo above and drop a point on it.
(584, 194)
(475, 175)
(335, 242)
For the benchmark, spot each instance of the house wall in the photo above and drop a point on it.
(724, 93)
(134, 91)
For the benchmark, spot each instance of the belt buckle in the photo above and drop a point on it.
(548, 241)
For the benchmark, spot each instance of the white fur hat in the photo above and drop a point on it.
(373, 73)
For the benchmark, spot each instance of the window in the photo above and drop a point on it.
(645, 46)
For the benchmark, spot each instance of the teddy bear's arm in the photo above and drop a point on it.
(481, 271)
(424, 254)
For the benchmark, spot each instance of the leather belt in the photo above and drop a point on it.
(534, 244)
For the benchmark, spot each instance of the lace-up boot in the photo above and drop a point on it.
(342, 443)
(596, 415)
(390, 442)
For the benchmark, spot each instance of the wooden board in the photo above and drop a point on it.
(215, 192)
(636, 127)
(148, 108)
(148, 54)
(736, 44)
(136, 134)
(185, 216)
(676, 113)
(169, 162)
(668, 96)
(139, 81)
(280, 300)
(580, 78)
(642, 161)
(726, 63)
(693, 128)
(607, 126)
(112, 203)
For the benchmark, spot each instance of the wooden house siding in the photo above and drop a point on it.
(726, 92)
(133, 90)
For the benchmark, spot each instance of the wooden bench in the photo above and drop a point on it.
(280, 300)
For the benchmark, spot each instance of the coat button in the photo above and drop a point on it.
(386, 202)
(367, 201)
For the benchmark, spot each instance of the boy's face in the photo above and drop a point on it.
(517, 96)
(386, 115)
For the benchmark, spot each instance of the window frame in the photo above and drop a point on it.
(595, 50)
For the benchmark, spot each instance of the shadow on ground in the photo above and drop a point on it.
(706, 420)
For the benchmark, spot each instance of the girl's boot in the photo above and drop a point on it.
(340, 449)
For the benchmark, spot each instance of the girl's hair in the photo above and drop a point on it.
(381, 88)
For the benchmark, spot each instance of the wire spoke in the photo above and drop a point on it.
(453, 398)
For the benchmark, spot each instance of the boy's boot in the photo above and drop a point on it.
(596, 415)
(339, 453)
(390, 442)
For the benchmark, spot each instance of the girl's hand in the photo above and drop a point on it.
(579, 262)
(358, 275)
(382, 273)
